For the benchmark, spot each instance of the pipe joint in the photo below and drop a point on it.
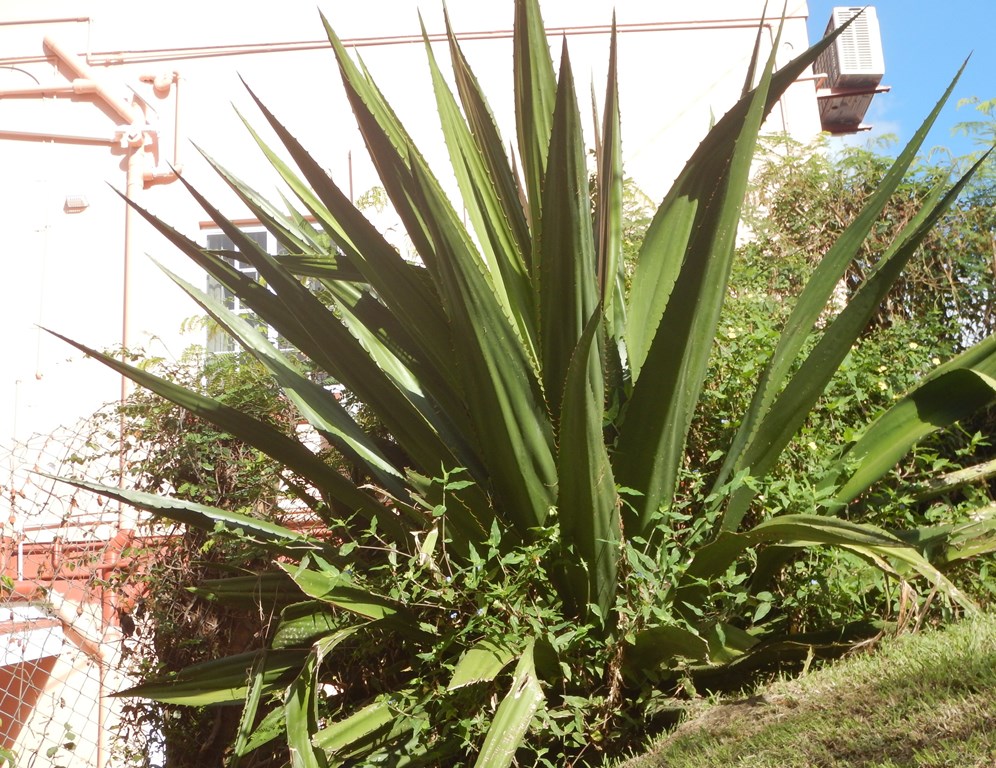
(134, 135)
(80, 70)
(162, 82)
(151, 178)
(83, 86)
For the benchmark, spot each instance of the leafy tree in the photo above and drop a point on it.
(169, 449)
(927, 317)
(983, 128)
(521, 571)
(803, 199)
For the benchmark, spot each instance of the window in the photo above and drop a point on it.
(218, 340)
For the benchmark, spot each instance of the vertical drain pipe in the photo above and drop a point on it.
(134, 183)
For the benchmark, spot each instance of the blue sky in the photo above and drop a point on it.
(924, 43)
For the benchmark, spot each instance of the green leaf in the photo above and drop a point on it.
(690, 207)
(343, 494)
(301, 715)
(262, 591)
(403, 287)
(367, 317)
(314, 330)
(535, 89)
(301, 705)
(332, 586)
(224, 680)
(727, 642)
(323, 338)
(274, 537)
(668, 361)
(364, 723)
(482, 198)
(302, 624)
(484, 131)
(938, 403)
(394, 155)
(321, 266)
(247, 720)
(882, 548)
(511, 720)
(504, 397)
(271, 727)
(821, 530)
(313, 401)
(568, 288)
(587, 501)
(480, 663)
(961, 542)
(608, 204)
(293, 231)
(656, 646)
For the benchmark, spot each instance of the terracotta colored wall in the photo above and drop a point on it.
(20, 687)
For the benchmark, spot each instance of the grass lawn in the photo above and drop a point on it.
(917, 700)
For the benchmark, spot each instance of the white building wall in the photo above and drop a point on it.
(64, 270)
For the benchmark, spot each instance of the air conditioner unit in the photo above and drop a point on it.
(853, 68)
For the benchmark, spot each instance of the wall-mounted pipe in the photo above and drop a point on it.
(69, 138)
(162, 85)
(244, 49)
(176, 121)
(150, 178)
(67, 612)
(38, 90)
(152, 55)
(59, 20)
(128, 113)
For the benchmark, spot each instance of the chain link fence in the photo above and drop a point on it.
(70, 580)
(95, 599)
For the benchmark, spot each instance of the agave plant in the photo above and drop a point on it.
(509, 570)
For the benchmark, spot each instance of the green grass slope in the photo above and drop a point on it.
(925, 700)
